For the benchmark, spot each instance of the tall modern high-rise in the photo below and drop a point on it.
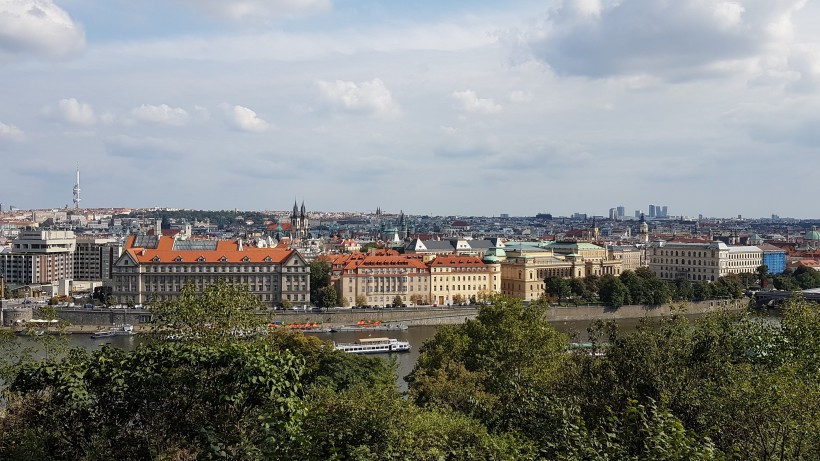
(652, 211)
(621, 212)
(77, 190)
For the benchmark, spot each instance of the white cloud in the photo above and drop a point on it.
(72, 111)
(245, 119)
(39, 27)
(10, 132)
(472, 103)
(255, 10)
(682, 39)
(370, 96)
(163, 114)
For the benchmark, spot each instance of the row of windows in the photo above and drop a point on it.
(189, 269)
(457, 278)
(458, 287)
(460, 269)
(690, 254)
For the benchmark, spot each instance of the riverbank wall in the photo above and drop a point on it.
(411, 316)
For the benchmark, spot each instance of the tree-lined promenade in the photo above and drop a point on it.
(503, 386)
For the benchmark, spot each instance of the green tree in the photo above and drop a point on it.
(361, 300)
(807, 277)
(343, 301)
(319, 278)
(219, 311)
(493, 367)
(236, 401)
(613, 292)
(558, 287)
(397, 301)
(683, 290)
(580, 290)
(639, 292)
(327, 297)
(376, 423)
(701, 291)
(762, 272)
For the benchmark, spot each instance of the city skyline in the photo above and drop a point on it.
(466, 108)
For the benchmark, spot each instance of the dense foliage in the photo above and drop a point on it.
(504, 386)
(802, 278)
(641, 286)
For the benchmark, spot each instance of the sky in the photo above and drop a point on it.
(471, 107)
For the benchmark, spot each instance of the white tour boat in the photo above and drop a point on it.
(122, 330)
(374, 346)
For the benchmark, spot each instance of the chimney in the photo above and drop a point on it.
(240, 244)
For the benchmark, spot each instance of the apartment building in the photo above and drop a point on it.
(457, 278)
(94, 257)
(39, 257)
(380, 278)
(706, 261)
(155, 268)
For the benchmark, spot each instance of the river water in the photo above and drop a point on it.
(417, 336)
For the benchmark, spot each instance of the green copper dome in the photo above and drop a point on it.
(813, 234)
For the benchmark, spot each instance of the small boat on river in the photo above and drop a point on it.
(374, 346)
(122, 330)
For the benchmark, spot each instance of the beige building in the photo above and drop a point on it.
(527, 265)
(39, 257)
(629, 255)
(459, 279)
(706, 261)
(155, 268)
(380, 278)
(597, 260)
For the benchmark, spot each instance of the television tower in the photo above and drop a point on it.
(77, 190)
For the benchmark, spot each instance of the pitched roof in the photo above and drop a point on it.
(457, 261)
(221, 251)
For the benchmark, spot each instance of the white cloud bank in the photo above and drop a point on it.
(370, 97)
(472, 103)
(72, 111)
(38, 27)
(163, 114)
(678, 40)
(10, 132)
(245, 119)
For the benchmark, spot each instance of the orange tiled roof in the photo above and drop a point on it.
(458, 261)
(227, 251)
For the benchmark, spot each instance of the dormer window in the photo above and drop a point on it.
(200, 259)
(246, 259)
(156, 259)
(178, 259)
(223, 259)
(267, 259)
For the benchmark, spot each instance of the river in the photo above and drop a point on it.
(417, 336)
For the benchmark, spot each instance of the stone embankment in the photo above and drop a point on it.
(90, 319)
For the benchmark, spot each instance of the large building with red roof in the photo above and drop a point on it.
(375, 279)
(155, 268)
